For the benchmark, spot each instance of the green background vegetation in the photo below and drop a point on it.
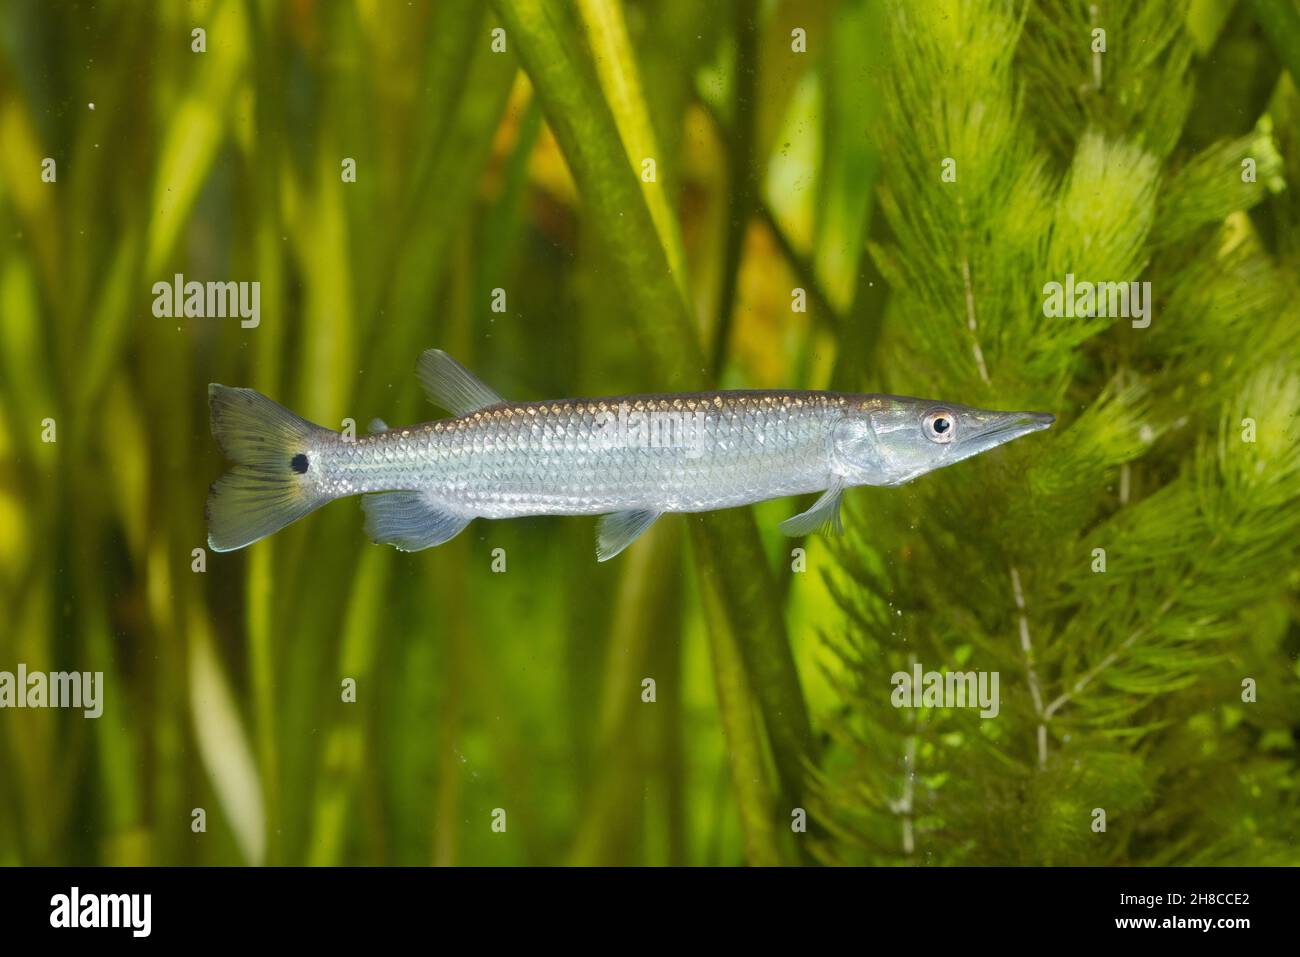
(774, 169)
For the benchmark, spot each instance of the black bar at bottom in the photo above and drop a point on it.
(365, 905)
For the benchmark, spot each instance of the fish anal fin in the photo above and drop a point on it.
(617, 530)
(823, 516)
(410, 521)
(450, 385)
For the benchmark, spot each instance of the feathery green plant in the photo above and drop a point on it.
(1126, 577)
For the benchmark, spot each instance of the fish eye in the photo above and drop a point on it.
(939, 426)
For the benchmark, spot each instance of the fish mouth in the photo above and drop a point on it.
(1006, 426)
(1000, 428)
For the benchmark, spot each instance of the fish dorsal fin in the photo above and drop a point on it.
(378, 425)
(823, 516)
(450, 385)
(617, 530)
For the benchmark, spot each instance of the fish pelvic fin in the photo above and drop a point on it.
(410, 521)
(823, 516)
(271, 483)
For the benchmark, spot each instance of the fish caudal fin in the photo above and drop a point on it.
(271, 483)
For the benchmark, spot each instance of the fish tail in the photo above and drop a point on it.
(271, 483)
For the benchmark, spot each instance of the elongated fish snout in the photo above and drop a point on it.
(1043, 420)
(980, 430)
(1022, 423)
(998, 428)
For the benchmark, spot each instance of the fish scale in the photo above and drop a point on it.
(529, 458)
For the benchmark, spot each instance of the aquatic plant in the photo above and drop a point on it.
(594, 198)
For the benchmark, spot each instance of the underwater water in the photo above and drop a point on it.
(1078, 647)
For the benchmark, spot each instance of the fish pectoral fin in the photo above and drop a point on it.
(617, 530)
(450, 385)
(410, 521)
(823, 516)
(377, 425)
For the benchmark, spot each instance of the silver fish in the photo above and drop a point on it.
(629, 459)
